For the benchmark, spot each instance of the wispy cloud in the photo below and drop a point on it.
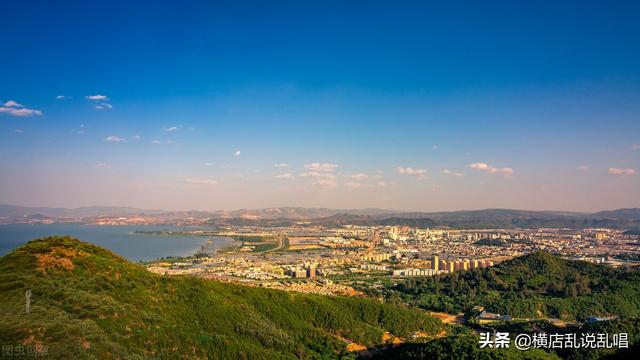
(359, 176)
(635, 147)
(156, 142)
(321, 179)
(62, 97)
(327, 183)
(285, 176)
(103, 101)
(201, 181)
(18, 131)
(385, 183)
(136, 137)
(208, 164)
(281, 165)
(20, 112)
(619, 171)
(12, 103)
(451, 173)
(316, 166)
(171, 129)
(418, 173)
(507, 171)
(582, 168)
(97, 97)
(113, 138)
(237, 153)
(103, 106)
(13, 108)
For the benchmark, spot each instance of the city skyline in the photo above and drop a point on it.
(419, 107)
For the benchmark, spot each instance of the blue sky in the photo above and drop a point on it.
(409, 106)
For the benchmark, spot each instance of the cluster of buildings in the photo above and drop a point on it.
(331, 260)
(308, 270)
(458, 264)
(416, 272)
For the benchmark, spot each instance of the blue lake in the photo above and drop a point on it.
(120, 239)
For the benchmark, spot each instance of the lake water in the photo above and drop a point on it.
(120, 239)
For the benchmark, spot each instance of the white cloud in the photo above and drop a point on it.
(18, 131)
(281, 165)
(170, 129)
(238, 176)
(418, 173)
(156, 142)
(359, 176)
(316, 166)
(435, 147)
(103, 106)
(113, 138)
(237, 153)
(285, 176)
(582, 168)
(507, 171)
(97, 97)
(385, 183)
(208, 164)
(62, 97)
(618, 171)
(321, 179)
(136, 137)
(327, 183)
(15, 111)
(103, 101)
(102, 166)
(12, 103)
(452, 173)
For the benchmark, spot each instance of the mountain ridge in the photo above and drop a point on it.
(88, 302)
(624, 218)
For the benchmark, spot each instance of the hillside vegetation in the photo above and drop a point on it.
(531, 286)
(90, 303)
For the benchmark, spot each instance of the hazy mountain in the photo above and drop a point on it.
(297, 213)
(624, 214)
(466, 219)
(13, 211)
(266, 213)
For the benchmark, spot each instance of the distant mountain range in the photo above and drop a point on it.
(487, 218)
(91, 211)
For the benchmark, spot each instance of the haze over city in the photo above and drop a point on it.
(428, 107)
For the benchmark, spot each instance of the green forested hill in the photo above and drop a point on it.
(459, 347)
(90, 303)
(532, 286)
